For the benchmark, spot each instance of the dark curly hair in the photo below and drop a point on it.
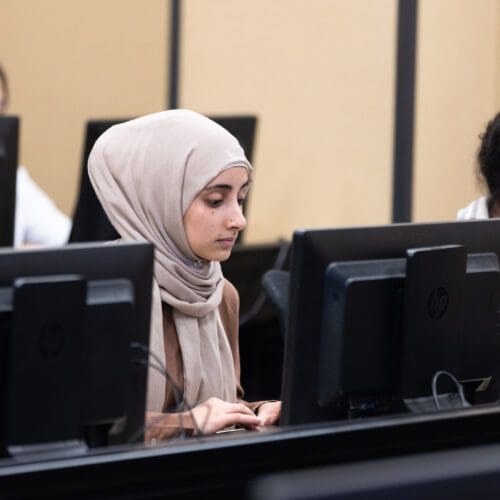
(489, 158)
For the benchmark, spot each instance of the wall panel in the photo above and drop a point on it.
(72, 60)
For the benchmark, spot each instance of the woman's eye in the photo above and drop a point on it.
(241, 201)
(214, 203)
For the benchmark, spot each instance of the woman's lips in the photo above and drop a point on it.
(226, 242)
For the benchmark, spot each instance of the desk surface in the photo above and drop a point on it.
(226, 464)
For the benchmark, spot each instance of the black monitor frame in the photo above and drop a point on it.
(9, 144)
(131, 262)
(312, 251)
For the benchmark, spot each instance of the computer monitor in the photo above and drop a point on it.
(90, 223)
(9, 140)
(390, 325)
(243, 127)
(74, 325)
(314, 250)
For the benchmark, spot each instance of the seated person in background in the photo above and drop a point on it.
(179, 180)
(37, 219)
(489, 171)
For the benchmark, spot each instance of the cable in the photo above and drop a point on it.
(145, 427)
(175, 388)
(458, 385)
(181, 405)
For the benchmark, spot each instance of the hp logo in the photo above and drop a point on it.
(437, 303)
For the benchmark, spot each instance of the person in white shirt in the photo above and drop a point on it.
(488, 157)
(37, 220)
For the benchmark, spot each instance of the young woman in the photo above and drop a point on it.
(179, 180)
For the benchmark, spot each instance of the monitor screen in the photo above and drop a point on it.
(312, 253)
(9, 139)
(90, 223)
(70, 321)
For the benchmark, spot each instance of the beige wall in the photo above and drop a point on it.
(318, 73)
(73, 60)
(320, 76)
(457, 93)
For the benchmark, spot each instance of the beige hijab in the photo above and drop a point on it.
(146, 172)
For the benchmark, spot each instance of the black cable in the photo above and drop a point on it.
(180, 403)
(144, 427)
(175, 388)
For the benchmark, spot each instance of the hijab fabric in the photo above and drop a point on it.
(146, 172)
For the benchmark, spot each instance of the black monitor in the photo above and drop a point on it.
(74, 331)
(243, 127)
(90, 223)
(344, 284)
(9, 140)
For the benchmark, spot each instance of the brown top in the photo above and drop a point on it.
(229, 313)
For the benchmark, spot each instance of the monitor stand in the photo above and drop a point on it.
(432, 325)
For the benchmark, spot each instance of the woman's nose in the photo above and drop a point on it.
(236, 219)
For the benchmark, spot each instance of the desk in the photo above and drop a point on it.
(226, 465)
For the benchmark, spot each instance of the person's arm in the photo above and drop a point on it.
(38, 221)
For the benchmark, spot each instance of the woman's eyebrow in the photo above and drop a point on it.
(226, 187)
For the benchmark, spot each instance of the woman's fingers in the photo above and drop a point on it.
(240, 419)
(270, 412)
(239, 408)
(215, 414)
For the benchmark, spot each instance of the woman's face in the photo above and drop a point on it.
(215, 217)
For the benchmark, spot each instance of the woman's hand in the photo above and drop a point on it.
(215, 414)
(269, 413)
(208, 417)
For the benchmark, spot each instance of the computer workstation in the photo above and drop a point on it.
(74, 324)
(377, 313)
(468, 248)
(316, 435)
